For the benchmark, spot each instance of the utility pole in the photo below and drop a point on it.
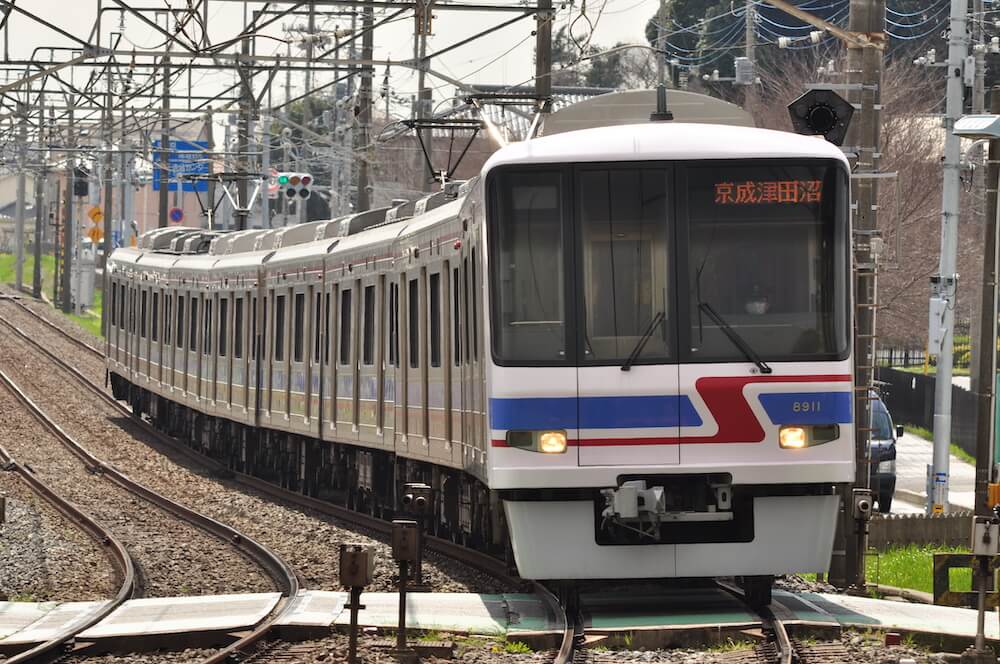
(422, 109)
(109, 197)
(165, 144)
(265, 170)
(40, 178)
(210, 193)
(978, 107)
(750, 95)
(362, 151)
(66, 286)
(543, 55)
(944, 284)
(22, 150)
(243, 140)
(661, 68)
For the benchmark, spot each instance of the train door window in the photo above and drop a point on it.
(279, 328)
(368, 332)
(193, 326)
(393, 335)
(122, 296)
(345, 326)
(253, 327)
(114, 303)
(413, 320)
(475, 306)
(456, 320)
(223, 325)
(317, 317)
(326, 328)
(180, 321)
(465, 302)
(206, 341)
(263, 328)
(435, 314)
(168, 317)
(155, 325)
(238, 327)
(299, 322)
(142, 314)
(624, 272)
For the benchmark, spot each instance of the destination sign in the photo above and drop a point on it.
(769, 192)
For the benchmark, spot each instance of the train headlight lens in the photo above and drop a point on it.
(793, 438)
(552, 442)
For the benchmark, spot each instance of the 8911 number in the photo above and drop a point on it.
(807, 406)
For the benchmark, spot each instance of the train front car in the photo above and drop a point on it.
(669, 315)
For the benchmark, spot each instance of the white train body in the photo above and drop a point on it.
(664, 309)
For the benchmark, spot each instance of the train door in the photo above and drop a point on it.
(299, 356)
(156, 348)
(143, 355)
(238, 378)
(368, 370)
(329, 379)
(180, 342)
(223, 350)
(194, 338)
(264, 357)
(436, 411)
(454, 361)
(208, 346)
(346, 378)
(255, 347)
(390, 375)
(629, 408)
(167, 371)
(315, 368)
(278, 387)
(414, 377)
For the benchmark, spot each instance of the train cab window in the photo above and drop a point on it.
(193, 326)
(413, 320)
(155, 325)
(223, 325)
(206, 340)
(345, 326)
(625, 284)
(299, 323)
(529, 273)
(368, 331)
(769, 261)
(316, 328)
(279, 328)
(168, 317)
(435, 314)
(180, 321)
(142, 314)
(238, 327)
(393, 336)
(456, 318)
(114, 303)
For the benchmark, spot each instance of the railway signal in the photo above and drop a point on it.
(295, 186)
(821, 112)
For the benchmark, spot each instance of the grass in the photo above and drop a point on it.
(931, 370)
(90, 320)
(730, 645)
(913, 567)
(955, 450)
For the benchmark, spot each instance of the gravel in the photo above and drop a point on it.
(45, 556)
(307, 540)
(173, 558)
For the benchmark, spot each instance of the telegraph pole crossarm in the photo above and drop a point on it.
(860, 39)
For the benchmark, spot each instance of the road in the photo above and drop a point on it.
(913, 455)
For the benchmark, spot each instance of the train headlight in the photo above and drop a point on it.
(793, 438)
(547, 442)
(552, 442)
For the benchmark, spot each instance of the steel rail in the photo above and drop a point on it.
(122, 560)
(279, 571)
(482, 562)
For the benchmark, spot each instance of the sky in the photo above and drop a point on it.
(504, 57)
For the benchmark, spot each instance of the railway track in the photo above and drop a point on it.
(120, 557)
(250, 644)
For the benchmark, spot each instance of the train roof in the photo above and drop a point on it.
(664, 141)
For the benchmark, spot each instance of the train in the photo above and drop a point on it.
(619, 352)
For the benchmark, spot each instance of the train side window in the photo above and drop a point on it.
(326, 328)
(223, 325)
(368, 355)
(299, 321)
(456, 318)
(238, 327)
(206, 341)
(193, 326)
(413, 318)
(345, 326)
(180, 321)
(435, 314)
(155, 326)
(142, 314)
(114, 303)
(168, 317)
(279, 328)
(317, 317)
(393, 335)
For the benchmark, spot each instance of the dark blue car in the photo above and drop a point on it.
(883, 466)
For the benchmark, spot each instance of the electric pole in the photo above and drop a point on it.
(944, 284)
(22, 149)
(67, 250)
(362, 152)
(40, 178)
(543, 56)
(165, 144)
(750, 95)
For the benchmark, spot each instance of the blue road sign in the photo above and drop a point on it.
(185, 158)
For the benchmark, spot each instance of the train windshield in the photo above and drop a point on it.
(657, 263)
(767, 251)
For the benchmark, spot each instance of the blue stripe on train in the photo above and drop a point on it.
(594, 412)
(808, 407)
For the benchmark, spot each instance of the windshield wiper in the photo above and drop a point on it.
(735, 337)
(657, 319)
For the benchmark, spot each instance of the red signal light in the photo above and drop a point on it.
(306, 180)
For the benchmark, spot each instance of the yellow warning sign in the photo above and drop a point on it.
(96, 214)
(937, 509)
(95, 234)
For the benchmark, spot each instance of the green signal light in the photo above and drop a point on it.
(282, 179)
